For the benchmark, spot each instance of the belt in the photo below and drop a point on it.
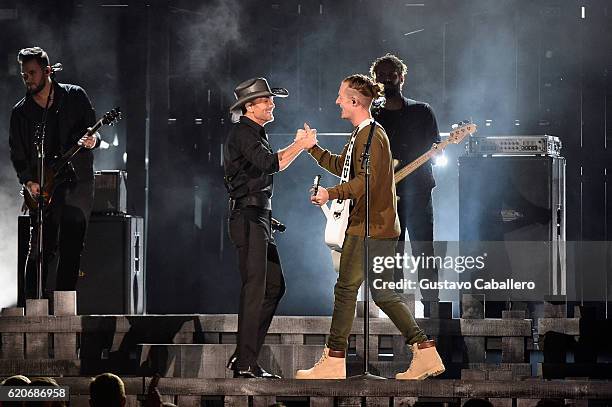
(258, 201)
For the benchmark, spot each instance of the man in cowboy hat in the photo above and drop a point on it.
(249, 163)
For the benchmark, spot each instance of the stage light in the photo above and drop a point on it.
(116, 141)
(104, 145)
(124, 158)
(441, 160)
(583, 12)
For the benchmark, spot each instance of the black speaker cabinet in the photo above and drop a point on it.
(112, 277)
(512, 198)
(517, 199)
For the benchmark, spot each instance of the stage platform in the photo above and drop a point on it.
(513, 360)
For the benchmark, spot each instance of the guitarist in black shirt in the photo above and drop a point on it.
(68, 117)
(412, 129)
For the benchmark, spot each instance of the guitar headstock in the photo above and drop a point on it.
(461, 130)
(112, 117)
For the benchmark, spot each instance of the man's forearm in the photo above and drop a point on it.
(288, 154)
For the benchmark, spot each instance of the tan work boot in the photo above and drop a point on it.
(425, 362)
(330, 366)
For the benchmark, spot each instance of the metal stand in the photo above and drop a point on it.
(366, 375)
(39, 142)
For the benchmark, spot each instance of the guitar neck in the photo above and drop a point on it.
(76, 148)
(414, 165)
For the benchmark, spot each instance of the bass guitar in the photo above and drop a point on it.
(337, 213)
(58, 171)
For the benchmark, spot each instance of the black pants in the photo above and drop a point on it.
(263, 284)
(64, 233)
(415, 213)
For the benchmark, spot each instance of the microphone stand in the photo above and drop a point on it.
(39, 142)
(365, 163)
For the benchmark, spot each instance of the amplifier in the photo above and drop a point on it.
(111, 193)
(546, 145)
(112, 275)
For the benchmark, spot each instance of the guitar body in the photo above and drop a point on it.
(337, 215)
(53, 180)
(61, 169)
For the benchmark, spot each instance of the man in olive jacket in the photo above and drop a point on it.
(355, 99)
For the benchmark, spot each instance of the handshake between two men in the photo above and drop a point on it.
(306, 138)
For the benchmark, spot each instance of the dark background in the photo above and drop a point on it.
(523, 67)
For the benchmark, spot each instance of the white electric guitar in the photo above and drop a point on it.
(337, 214)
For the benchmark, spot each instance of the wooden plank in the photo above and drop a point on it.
(404, 401)
(264, 401)
(321, 402)
(513, 350)
(526, 402)
(37, 307)
(284, 325)
(292, 339)
(64, 303)
(189, 401)
(400, 349)
(373, 347)
(561, 389)
(236, 401)
(40, 367)
(501, 375)
(211, 337)
(348, 401)
(497, 402)
(36, 344)
(65, 346)
(377, 401)
(13, 344)
(568, 326)
(555, 307)
(473, 374)
(512, 314)
(474, 350)
(13, 312)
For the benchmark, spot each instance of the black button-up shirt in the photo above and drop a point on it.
(74, 115)
(249, 161)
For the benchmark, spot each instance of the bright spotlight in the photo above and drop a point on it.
(441, 160)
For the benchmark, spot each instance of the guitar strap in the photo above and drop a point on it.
(346, 168)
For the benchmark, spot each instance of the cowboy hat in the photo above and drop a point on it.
(255, 88)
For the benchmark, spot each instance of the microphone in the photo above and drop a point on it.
(57, 67)
(315, 185)
(276, 225)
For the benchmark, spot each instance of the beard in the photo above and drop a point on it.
(391, 90)
(40, 86)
